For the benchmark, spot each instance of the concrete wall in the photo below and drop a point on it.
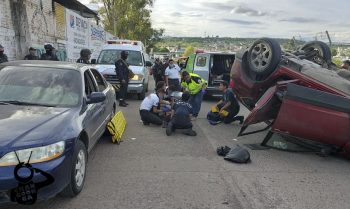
(7, 30)
(32, 23)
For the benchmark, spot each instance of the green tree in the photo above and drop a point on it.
(163, 50)
(188, 51)
(129, 20)
(334, 52)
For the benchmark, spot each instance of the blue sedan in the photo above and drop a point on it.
(51, 115)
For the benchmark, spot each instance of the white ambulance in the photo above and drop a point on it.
(138, 61)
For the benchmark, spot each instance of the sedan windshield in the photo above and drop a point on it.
(111, 56)
(40, 86)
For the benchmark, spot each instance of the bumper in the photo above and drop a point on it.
(59, 169)
(213, 91)
(133, 88)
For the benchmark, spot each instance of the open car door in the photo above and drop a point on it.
(266, 110)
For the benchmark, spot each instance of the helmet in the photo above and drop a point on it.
(48, 47)
(85, 52)
(124, 53)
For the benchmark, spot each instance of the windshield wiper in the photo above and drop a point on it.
(14, 102)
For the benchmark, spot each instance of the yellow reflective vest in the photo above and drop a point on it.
(195, 85)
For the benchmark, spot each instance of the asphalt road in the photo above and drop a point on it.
(151, 170)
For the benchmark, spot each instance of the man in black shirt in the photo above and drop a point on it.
(158, 71)
(122, 71)
(49, 55)
(31, 55)
(181, 117)
(228, 106)
(3, 57)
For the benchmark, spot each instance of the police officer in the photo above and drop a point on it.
(85, 55)
(158, 72)
(31, 55)
(3, 57)
(195, 86)
(122, 71)
(49, 55)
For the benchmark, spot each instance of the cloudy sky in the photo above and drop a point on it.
(253, 18)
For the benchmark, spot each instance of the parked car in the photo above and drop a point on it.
(300, 94)
(55, 112)
(138, 61)
(211, 66)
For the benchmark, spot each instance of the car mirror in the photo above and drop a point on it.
(96, 97)
(93, 61)
(148, 64)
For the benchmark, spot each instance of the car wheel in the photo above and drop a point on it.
(78, 171)
(318, 52)
(264, 56)
(146, 87)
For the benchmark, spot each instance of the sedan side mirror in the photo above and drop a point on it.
(148, 64)
(93, 61)
(96, 97)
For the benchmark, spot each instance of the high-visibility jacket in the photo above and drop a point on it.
(195, 85)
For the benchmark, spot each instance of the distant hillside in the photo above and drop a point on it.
(216, 43)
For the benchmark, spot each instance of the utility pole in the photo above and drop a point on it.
(329, 38)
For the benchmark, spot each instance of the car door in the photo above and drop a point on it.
(94, 117)
(201, 66)
(102, 86)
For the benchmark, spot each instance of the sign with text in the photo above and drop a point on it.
(78, 30)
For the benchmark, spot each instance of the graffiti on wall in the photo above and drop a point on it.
(39, 25)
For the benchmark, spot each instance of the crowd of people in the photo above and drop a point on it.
(165, 107)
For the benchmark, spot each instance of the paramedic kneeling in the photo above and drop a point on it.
(149, 108)
(181, 117)
(228, 106)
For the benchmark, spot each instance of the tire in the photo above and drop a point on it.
(264, 56)
(76, 186)
(322, 51)
(146, 87)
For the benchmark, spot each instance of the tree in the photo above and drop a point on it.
(188, 51)
(129, 20)
(334, 52)
(163, 50)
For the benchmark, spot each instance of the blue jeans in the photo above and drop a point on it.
(196, 101)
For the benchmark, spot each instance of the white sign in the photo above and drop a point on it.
(97, 40)
(78, 30)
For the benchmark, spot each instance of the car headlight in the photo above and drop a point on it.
(37, 154)
(137, 77)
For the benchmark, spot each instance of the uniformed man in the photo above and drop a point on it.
(122, 71)
(49, 55)
(31, 55)
(85, 56)
(195, 86)
(181, 117)
(157, 71)
(3, 57)
(172, 76)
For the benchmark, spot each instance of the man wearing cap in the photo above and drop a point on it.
(3, 57)
(85, 55)
(31, 55)
(49, 55)
(122, 71)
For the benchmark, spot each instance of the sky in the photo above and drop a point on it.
(303, 19)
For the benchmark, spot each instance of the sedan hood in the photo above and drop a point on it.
(23, 125)
(110, 69)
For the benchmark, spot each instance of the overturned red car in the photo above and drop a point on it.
(297, 94)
